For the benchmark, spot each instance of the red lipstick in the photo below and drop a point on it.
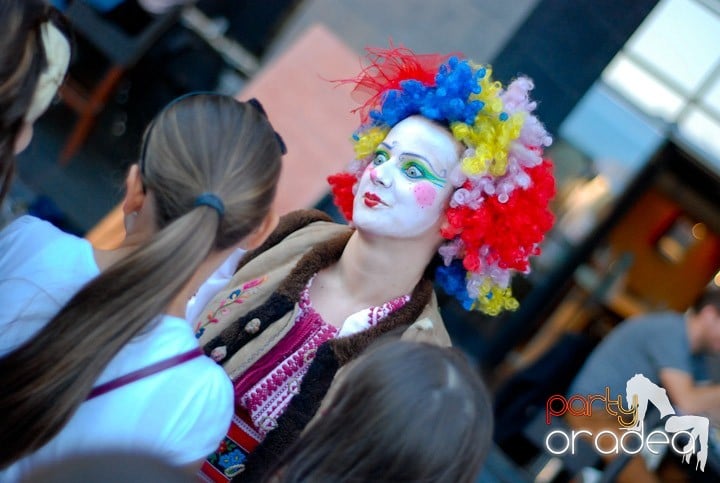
(372, 200)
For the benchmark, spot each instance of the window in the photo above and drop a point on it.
(670, 70)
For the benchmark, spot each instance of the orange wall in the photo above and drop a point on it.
(653, 278)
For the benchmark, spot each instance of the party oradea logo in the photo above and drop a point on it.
(686, 435)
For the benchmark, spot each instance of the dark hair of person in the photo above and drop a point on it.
(404, 411)
(200, 144)
(110, 468)
(710, 296)
(22, 60)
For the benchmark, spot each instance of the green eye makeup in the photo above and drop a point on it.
(380, 157)
(415, 170)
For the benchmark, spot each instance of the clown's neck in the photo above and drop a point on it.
(380, 269)
(369, 273)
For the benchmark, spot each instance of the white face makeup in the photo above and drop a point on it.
(404, 191)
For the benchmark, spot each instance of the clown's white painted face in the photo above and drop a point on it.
(404, 191)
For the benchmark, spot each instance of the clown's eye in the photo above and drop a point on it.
(414, 170)
(380, 157)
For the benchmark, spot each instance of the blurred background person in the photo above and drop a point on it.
(668, 348)
(109, 468)
(403, 411)
(34, 57)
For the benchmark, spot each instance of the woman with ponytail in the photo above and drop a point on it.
(95, 352)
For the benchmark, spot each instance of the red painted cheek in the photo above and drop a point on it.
(424, 194)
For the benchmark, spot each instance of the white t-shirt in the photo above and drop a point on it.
(179, 414)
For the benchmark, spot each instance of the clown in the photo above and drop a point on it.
(496, 214)
(449, 173)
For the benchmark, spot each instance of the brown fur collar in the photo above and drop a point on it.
(288, 224)
(347, 348)
(320, 256)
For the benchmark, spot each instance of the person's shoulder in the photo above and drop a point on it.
(28, 226)
(30, 234)
(296, 233)
(294, 225)
(296, 221)
(198, 398)
(652, 321)
(197, 384)
(200, 376)
(211, 384)
(30, 245)
(192, 404)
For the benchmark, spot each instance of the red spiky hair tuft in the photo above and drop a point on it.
(386, 69)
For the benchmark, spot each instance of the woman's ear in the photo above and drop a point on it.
(24, 136)
(260, 234)
(134, 191)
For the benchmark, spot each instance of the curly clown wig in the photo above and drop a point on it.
(498, 213)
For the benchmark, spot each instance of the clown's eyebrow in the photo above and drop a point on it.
(413, 155)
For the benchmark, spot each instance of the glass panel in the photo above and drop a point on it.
(681, 39)
(704, 131)
(618, 139)
(712, 97)
(642, 89)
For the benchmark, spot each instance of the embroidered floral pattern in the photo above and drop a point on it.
(229, 458)
(237, 296)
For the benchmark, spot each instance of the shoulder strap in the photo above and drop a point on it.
(144, 372)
